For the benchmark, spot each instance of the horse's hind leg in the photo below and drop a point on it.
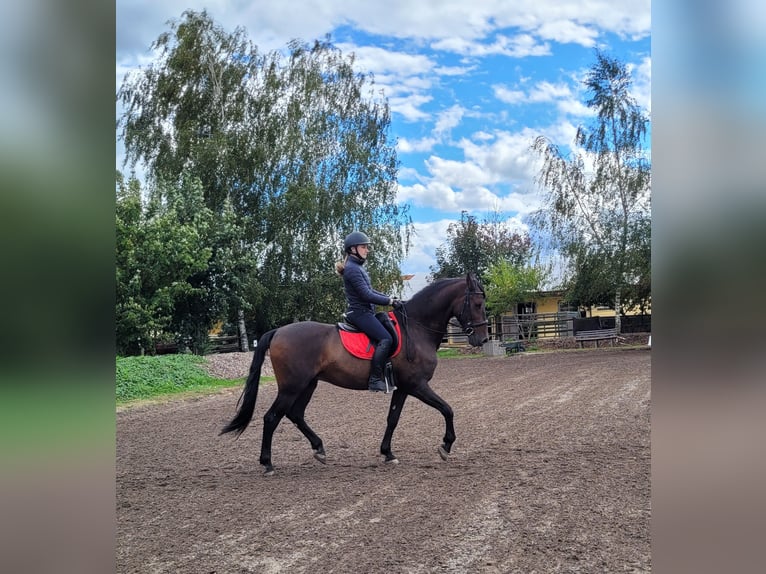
(394, 412)
(296, 416)
(270, 422)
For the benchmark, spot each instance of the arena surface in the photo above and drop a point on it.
(550, 473)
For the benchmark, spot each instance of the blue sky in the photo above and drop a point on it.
(470, 84)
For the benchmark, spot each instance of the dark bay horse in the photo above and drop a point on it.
(307, 352)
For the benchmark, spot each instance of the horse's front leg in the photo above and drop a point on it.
(394, 412)
(426, 394)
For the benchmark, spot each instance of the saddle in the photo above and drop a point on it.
(359, 345)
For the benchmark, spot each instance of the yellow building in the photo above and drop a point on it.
(550, 315)
(554, 302)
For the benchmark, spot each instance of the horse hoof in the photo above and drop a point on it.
(269, 471)
(320, 456)
(392, 460)
(443, 453)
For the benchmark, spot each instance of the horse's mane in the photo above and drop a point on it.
(432, 289)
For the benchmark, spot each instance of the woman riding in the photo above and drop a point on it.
(361, 299)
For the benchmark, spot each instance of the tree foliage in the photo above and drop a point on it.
(510, 283)
(177, 266)
(292, 150)
(597, 199)
(474, 246)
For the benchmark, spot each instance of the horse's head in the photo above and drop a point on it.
(473, 314)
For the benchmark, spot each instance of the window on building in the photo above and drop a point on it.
(526, 308)
(565, 306)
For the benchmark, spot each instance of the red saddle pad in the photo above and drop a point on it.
(358, 344)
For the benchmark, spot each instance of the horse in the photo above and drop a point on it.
(306, 352)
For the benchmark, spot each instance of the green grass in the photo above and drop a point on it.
(452, 353)
(141, 378)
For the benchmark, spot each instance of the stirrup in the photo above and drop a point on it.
(388, 376)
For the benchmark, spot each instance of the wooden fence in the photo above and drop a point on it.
(537, 326)
(223, 344)
(216, 344)
(511, 328)
(519, 327)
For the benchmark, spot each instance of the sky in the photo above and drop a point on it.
(470, 84)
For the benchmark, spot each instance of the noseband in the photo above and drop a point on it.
(467, 326)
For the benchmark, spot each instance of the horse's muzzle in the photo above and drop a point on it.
(474, 339)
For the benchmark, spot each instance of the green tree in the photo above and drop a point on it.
(509, 284)
(297, 145)
(176, 266)
(590, 283)
(160, 248)
(503, 244)
(474, 246)
(462, 252)
(597, 199)
(135, 319)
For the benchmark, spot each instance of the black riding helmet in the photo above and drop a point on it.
(355, 238)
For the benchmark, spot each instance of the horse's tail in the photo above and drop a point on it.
(250, 393)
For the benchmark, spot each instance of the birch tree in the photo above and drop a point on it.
(597, 197)
(296, 142)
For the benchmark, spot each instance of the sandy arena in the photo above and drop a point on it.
(550, 472)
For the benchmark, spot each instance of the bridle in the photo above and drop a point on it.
(468, 326)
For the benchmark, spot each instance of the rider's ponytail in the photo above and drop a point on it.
(340, 266)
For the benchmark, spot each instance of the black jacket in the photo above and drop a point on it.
(360, 295)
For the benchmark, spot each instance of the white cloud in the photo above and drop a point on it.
(409, 107)
(574, 108)
(405, 145)
(540, 93)
(568, 32)
(561, 94)
(518, 46)
(273, 24)
(505, 158)
(642, 83)
(382, 61)
(448, 119)
(460, 174)
(427, 237)
(548, 92)
(454, 70)
(507, 95)
(445, 122)
(496, 174)
(482, 136)
(408, 173)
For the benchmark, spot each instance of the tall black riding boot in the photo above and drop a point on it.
(376, 382)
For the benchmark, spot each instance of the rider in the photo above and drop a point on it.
(361, 299)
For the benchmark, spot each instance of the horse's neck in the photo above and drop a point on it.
(437, 316)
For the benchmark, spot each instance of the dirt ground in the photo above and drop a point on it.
(550, 473)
